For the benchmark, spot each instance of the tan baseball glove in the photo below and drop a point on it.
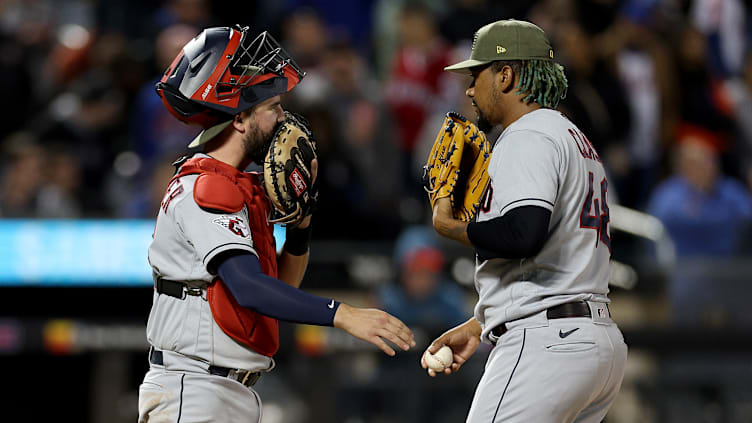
(288, 177)
(458, 166)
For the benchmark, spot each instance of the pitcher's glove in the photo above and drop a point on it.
(288, 177)
(458, 166)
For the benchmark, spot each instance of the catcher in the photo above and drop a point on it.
(220, 286)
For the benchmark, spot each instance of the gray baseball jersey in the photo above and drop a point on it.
(543, 160)
(186, 238)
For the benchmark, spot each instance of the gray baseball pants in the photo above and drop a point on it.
(558, 371)
(182, 391)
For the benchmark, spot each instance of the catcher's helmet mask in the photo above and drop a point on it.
(223, 72)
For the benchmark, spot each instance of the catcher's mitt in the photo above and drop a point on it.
(288, 177)
(459, 157)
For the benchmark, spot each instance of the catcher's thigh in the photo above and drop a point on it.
(171, 396)
(536, 375)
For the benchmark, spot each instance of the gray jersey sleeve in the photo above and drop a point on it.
(524, 171)
(212, 233)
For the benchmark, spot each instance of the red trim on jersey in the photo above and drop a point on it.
(605, 216)
(485, 202)
(596, 221)
(586, 148)
(586, 218)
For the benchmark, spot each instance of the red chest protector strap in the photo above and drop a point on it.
(224, 189)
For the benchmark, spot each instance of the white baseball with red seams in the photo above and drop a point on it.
(439, 361)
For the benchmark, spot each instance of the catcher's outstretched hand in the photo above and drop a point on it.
(374, 326)
(463, 340)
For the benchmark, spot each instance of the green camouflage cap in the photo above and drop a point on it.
(506, 40)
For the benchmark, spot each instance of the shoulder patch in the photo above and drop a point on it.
(234, 224)
(217, 194)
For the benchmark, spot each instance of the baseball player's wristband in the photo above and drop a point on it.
(297, 240)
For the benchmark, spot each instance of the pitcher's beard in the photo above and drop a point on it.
(483, 123)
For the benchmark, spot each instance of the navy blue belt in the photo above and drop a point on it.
(245, 377)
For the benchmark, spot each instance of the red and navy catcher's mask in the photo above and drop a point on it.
(223, 72)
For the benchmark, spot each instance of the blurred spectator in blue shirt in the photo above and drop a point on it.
(421, 297)
(703, 210)
(155, 132)
(707, 214)
(351, 18)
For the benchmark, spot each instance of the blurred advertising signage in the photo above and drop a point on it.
(75, 252)
(63, 336)
(78, 252)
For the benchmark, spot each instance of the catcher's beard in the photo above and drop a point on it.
(257, 143)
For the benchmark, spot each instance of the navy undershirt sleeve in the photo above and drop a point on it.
(255, 290)
(520, 233)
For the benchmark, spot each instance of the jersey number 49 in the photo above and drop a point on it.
(595, 221)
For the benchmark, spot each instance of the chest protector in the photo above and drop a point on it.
(223, 188)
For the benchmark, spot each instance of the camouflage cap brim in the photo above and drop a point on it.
(464, 66)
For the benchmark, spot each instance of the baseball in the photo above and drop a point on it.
(439, 361)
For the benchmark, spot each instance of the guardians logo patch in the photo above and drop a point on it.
(234, 224)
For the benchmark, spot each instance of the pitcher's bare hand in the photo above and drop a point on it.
(463, 340)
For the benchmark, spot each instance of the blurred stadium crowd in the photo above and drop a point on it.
(662, 88)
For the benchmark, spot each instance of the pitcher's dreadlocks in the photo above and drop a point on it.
(543, 81)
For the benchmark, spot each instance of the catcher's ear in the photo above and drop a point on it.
(239, 120)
